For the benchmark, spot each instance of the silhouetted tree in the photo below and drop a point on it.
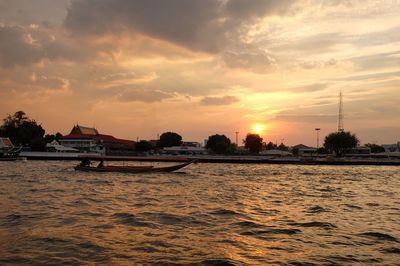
(219, 144)
(253, 142)
(49, 138)
(375, 148)
(283, 147)
(23, 131)
(270, 146)
(169, 139)
(143, 146)
(322, 150)
(340, 142)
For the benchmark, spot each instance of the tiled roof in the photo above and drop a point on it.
(104, 138)
(84, 130)
(81, 132)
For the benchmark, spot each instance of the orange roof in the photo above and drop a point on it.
(104, 138)
(84, 130)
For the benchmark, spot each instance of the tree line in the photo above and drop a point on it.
(24, 131)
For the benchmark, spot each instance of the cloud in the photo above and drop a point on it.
(121, 78)
(309, 88)
(306, 118)
(313, 64)
(144, 95)
(372, 76)
(317, 43)
(224, 100)
(377, 61)
(387, 36)
(52, 83)
(257, 61)
(205, 25)
(22, 46)
(17, 47)
(26, 12)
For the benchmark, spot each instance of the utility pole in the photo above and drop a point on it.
(317, 129)
(340, 126)
(237, 143)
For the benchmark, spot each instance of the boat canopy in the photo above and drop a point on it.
(5, 143)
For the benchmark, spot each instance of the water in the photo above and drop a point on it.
(205, 214)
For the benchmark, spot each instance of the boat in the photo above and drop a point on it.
(130, 169)
(8, 152)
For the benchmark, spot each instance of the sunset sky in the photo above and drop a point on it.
(138, 68)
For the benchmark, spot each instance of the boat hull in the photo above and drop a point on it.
(8, 159)
(131, 169)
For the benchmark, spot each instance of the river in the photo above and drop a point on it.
(204, 214)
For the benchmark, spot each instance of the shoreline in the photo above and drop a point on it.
(215, 159)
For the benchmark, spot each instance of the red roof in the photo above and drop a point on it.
(104, 138)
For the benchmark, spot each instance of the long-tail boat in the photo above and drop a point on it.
(129, 169)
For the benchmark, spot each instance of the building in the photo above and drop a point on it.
(304, 151)
(392, 147)
(187, 150)
(86, 139)
(276, 153)
(54, 146)
(360, 150)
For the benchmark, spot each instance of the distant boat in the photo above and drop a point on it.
(8, 152)
(131, 169)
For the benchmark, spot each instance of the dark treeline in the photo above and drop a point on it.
(26, 132)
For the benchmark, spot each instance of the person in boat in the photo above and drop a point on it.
(85, 162)
(101, 164)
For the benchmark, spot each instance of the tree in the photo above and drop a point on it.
(219, 144)
(23, 131)
(143, 146)
(295, 151)
(340, 142)
(283, 147)
(375, 148)
(253, 142)
(322, 150)
(270, 146)
(49, 138)
(169, 139)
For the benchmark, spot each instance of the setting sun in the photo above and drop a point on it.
(258, 128)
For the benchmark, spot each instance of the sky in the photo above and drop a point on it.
(138, 68)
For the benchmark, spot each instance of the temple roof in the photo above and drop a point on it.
(80, 132)
(84, 130)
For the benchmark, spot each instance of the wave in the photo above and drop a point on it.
(316, 209)
(216, 262)
(130, 219)
(173, 219)
(276, 231)
(324, 225)
(248, 224)
(379, 236)
(224, 212)
(391, 250)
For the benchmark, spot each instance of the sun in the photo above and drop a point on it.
(258, 128)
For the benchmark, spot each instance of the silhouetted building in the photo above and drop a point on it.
(87, 139)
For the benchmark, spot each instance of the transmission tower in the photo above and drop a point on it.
(340, 126)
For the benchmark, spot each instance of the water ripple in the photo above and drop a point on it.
(209, 214)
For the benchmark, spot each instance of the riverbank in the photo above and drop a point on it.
(215, 159)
